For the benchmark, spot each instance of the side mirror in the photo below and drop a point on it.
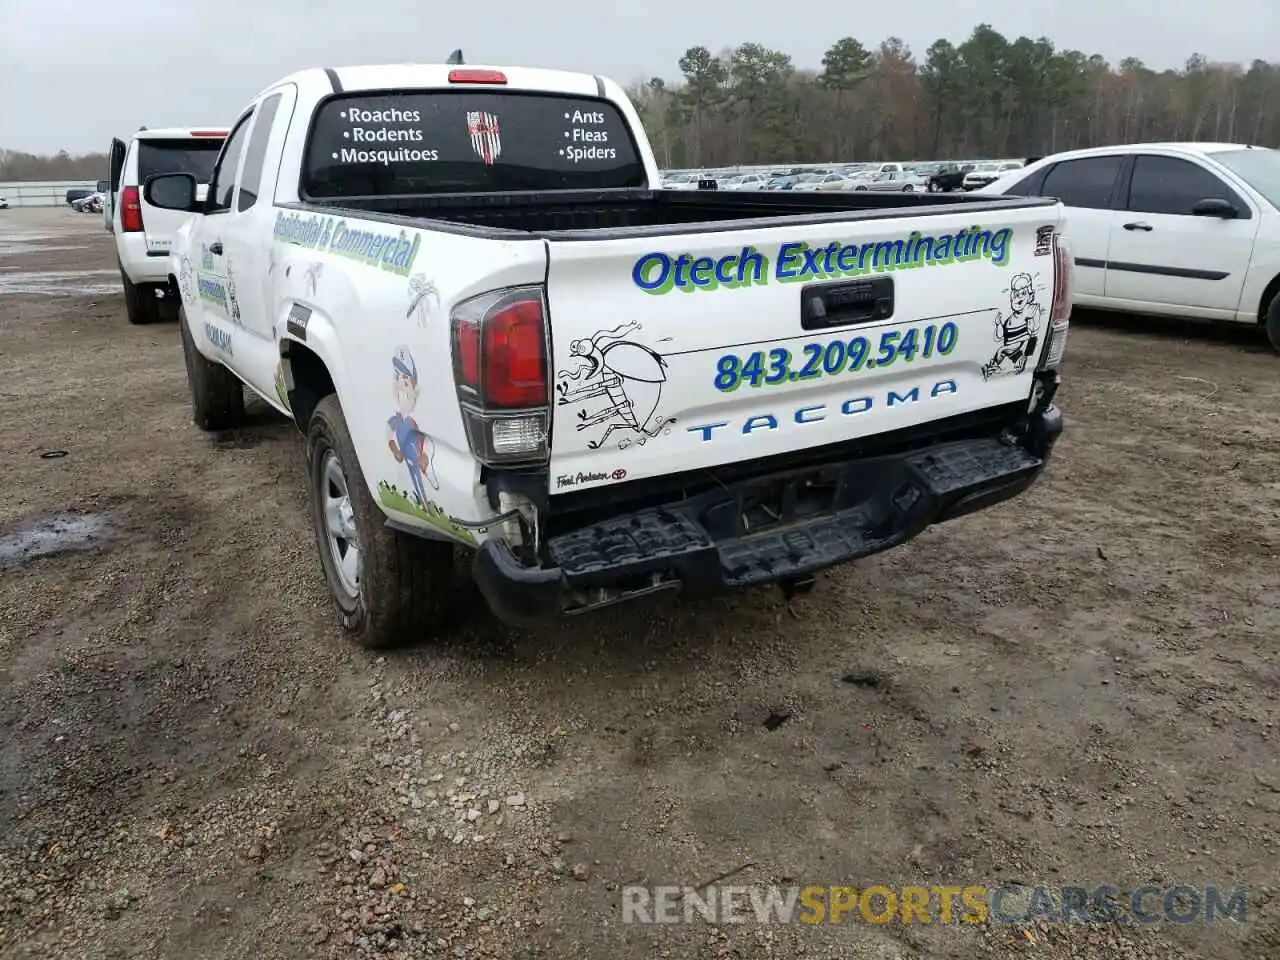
(171, 191)
(1215, 207)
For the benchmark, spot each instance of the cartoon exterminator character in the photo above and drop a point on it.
(408, 444)
(1016, 333)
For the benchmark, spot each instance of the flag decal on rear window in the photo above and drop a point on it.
(486, 138)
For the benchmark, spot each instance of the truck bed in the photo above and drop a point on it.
(637, 213)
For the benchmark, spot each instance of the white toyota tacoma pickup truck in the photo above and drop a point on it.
(496, 333)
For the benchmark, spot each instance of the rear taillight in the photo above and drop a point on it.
(1060, 311)
(130, 210)
(500, 368)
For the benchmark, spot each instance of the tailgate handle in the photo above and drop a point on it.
(846, 302)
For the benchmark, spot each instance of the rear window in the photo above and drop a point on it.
(467, 141)
(193, 156)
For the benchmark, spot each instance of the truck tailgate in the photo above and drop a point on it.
(692, 350)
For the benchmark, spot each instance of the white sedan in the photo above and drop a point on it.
(1173, 229)
(986, 173)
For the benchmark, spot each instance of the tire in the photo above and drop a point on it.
(1273, 322)
(402, 589)
(908, 189)
(217, 395)
(140, 302)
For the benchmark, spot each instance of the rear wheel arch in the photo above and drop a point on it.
(1269, 311)
(1268, 298)
(307, 379)
(403, 586)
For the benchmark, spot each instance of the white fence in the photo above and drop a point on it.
(42, 193)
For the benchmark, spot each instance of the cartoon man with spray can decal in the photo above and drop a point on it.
(1016, 332)
(407, 443)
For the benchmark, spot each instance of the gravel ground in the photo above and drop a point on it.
(1078, 688)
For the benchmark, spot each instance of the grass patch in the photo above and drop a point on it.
(400, 502)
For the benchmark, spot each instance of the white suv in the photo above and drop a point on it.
(144, 233)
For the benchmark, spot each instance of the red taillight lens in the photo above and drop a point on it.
(500, 369)
(477, 76)
(130, 210)
(515, 355)
(467, 353)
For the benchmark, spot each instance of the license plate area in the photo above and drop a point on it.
(843, 303)
(780, 502)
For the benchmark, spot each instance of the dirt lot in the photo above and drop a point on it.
(1078, 688)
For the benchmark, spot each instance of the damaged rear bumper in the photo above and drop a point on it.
(776, 528)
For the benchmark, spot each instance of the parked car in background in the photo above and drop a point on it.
(745, 181)
(143, 232)
(78, 193)
(948, 177)
(852, 181)
(93, 203)
(893, 181)
(832, 181)
(786, 182)
(985, 173)
(4, 203)
(680, 181)
(1176, 229)
(810, 181)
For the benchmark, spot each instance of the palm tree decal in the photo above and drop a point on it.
(231, 296)
(421, 291)
(312, 276)
(184, 281)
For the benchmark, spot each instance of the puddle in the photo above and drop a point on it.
(56, 534)
(8, 249)
(27, 236)
(58, 283)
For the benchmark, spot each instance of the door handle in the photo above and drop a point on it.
(1144, 227)
(216, 247)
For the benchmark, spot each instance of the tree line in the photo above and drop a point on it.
(986, 97)
(15, 165)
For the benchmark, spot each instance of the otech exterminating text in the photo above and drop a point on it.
(659, 273)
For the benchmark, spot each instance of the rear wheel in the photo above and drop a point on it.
(217, 396)
(390, 587)
(140, 302)
(1272, 322)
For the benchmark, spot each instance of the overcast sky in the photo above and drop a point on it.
(75, 73)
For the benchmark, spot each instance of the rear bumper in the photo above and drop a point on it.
(141, 265)
(863, 506)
